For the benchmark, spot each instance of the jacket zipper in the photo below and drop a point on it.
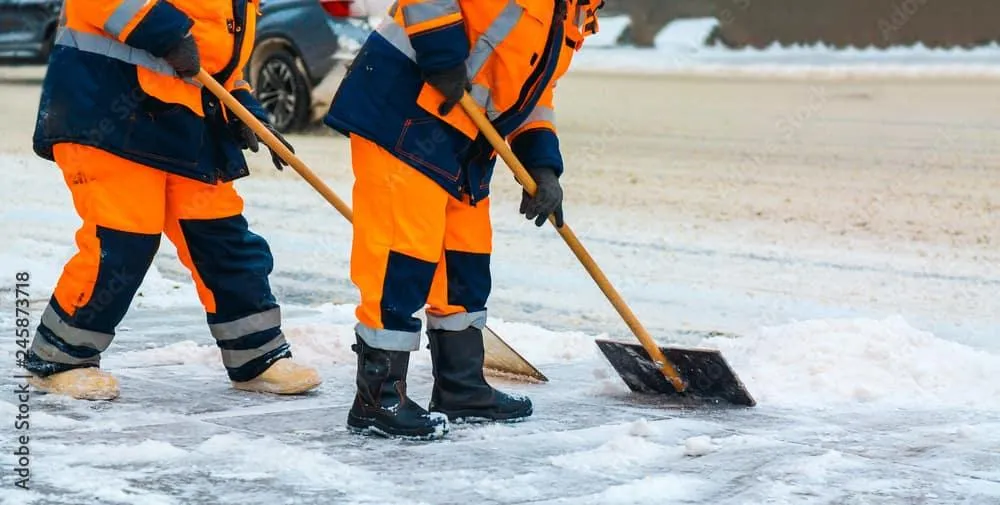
(529, 90)
(534, 80)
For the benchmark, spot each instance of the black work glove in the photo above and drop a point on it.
(248, 140)
(452, 83)
(547, 200)
(184, 57)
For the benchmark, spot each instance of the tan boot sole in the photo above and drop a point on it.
(295, 388)
(45, 385)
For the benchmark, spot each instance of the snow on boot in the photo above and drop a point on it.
(381, 405)
(89, 383)
(460, 388)
(283, 377)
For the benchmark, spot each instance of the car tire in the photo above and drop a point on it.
(283, 90)
(47, 44)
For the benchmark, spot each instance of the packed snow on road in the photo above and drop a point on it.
(871, 340)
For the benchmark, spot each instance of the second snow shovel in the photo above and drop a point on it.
(501, 358)
(695, 374)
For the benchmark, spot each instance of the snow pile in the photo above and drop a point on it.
(634, 445)
(541, 346)
(321, 339)
(889, 363)
(185, 352)
(681, 47)
(622, 452)
(699, 446)
(324, 338)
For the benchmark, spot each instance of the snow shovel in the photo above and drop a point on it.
(501, 358)
(687, 374)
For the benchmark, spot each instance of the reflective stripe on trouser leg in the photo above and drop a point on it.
(121, 206)
(250, 345)
(230, 266)
(462, 282)
(399, 226)
(59, 343)
(457, 322)
(389, 340)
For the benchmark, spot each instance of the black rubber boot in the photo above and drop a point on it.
(460, 389)
(381, 406)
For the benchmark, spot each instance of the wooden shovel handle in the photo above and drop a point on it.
(271, 141)
(522, 176)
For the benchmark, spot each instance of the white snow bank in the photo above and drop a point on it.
(812, 363)
(325, 339)
(541, 346)
(681, 48)
(185, 352)
(862, 361)
(699, 446)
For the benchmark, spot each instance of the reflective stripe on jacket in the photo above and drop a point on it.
(107, 85)
(514, 52)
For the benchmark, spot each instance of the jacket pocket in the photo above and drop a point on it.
(431, 144)
(165, 132)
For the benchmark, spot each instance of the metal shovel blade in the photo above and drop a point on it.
(503, 360)
(708, 376)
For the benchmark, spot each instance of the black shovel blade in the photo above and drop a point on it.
(707, 374)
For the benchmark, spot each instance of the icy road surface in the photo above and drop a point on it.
(847, 230)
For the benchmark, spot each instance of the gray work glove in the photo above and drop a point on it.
(547, 200)
(184, 57)
(452, 83)
(248, 140)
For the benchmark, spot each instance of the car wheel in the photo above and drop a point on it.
(283, 91)
(47, 44)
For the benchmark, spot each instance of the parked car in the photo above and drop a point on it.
(302, 52)
(27, 29)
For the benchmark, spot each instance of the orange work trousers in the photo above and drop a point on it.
(415, 246)
(125, 207)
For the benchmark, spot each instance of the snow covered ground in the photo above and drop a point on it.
(846, 231)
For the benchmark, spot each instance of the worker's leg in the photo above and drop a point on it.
(456, 318)
(230, 266)
(462, 280)
(121, 204)
(399, 223)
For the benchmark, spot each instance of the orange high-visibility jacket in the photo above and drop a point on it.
(514, 52)
(107, 85)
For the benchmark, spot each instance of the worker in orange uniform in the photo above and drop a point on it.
(144, 151)
(422, 233)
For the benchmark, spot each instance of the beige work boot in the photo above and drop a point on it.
(81, 383)
(284, 377)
